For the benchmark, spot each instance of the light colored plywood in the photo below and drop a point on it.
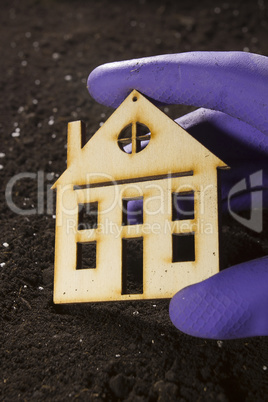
(101, 172)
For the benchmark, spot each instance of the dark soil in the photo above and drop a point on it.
(107, 351)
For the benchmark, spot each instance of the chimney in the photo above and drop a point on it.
(75, 140)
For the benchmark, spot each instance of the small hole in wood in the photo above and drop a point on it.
(134, 99)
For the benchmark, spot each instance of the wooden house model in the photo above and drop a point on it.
(171, 180)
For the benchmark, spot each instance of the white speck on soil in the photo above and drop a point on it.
(5, 244)
(20, 109)
(55, 56)
(2, 154)
(264, 368)
(219, 343)
(1, 167)
(24, 63)
(37, 82)
(15, 134)
(117, 355)
(2, 264)
(68, 77)
(40, 288)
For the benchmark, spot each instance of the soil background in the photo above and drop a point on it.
(107, 351)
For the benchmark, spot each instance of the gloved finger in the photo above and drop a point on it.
(235, 83)
(134, 211)
(231, 139)
(231, 304)
(242, 147)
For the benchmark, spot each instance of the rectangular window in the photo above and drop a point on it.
(132, 266)
(86, 255)
(88, 216)
(183, 206)
(132, 211)
(183, 247)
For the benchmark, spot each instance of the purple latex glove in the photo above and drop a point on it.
(232, 90)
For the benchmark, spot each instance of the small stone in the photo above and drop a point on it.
(55, 56)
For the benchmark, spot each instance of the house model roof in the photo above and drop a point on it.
(171, 149)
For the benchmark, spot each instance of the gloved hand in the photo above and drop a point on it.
(232, 90)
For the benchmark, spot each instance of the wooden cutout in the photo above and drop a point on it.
(102, 172)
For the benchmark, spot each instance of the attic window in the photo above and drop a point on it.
(134, 138)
